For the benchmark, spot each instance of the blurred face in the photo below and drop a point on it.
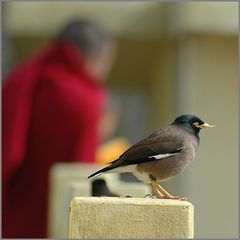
(100, 64)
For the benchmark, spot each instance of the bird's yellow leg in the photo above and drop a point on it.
(164, 193)
(157, 193)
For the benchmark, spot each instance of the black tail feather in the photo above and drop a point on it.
(101, 171)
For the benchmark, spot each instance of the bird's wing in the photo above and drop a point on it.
(163, 143)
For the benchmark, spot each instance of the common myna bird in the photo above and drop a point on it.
(162, 155)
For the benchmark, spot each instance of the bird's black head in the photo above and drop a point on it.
(191, 122)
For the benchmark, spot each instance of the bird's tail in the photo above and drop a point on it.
(108, 168)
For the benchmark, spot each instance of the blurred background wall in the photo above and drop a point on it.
(173, 58)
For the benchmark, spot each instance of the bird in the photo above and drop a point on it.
(162, 155)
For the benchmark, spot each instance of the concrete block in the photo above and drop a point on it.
(82, 189)
(102, 217)
(70, 180)
(61, 175)
(59, 220)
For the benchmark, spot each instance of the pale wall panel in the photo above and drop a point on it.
(208, 87)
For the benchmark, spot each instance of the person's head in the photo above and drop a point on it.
(94, 44)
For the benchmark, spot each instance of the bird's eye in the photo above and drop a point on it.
(196, 124)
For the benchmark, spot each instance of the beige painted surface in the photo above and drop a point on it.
(212, 17)
(127, 18)
(107, 14)
(130, 218)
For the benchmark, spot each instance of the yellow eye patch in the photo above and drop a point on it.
(196, 124)
(204, 125)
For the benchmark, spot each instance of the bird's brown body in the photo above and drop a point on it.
(162, 155)
(164, 168)
(167, 168)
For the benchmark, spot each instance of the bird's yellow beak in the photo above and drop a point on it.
(206, 125)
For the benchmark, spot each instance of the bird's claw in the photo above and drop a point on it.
(150, 196)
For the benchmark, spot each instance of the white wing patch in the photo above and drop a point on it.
(165, 155)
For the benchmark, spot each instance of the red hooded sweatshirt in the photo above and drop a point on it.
(50, 108)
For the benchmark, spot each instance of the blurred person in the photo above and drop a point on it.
(52, 105)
